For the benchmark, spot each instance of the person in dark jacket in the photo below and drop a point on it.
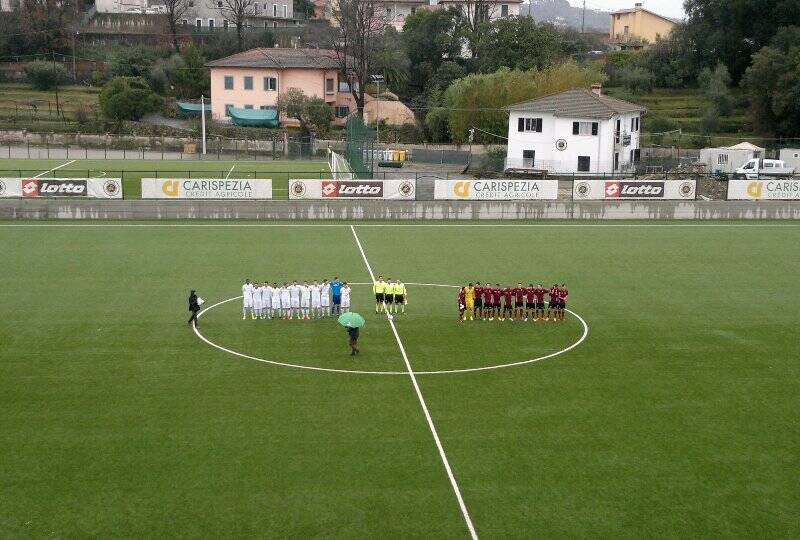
(194, 307)
(353, 333)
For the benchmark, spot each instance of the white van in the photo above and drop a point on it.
(756, 168)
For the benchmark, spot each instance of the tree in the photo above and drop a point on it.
(392, 62)
(478, 100)
(355, 43)
(127, 98)
(636, 79)
(176, 12)
(473, 19)
(45, 75)
(518, 43)
(48, 24)
(731, 31)
(192, 78)
(313, 114)
(304, 8)
(132, 62)
(772, 85)
(429, 38)
(237, 12)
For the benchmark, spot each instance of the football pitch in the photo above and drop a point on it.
(133, 170)
(665, 405)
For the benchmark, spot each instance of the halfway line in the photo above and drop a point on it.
(427, 413)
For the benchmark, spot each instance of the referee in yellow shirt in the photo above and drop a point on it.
(400, 296)
(469, 302)
(379, 290)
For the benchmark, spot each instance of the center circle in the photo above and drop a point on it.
(580, 340)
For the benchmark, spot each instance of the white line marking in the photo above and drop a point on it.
(404, 373)
(777, 225)
(54, 168)
(230, 171)
(414, 382)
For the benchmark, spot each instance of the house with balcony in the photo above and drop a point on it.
(635, 27)
(253, 80)
(211, 15)
(579, 131)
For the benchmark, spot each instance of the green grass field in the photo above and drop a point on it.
(675, 418)
(133, 170)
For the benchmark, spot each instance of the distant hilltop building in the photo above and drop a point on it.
(637, 26)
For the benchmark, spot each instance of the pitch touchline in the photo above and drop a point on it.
(401, 225)
(422, 403)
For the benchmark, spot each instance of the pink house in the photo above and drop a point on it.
(253, 79)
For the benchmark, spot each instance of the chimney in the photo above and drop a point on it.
(597, 88)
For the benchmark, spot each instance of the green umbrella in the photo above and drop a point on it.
(351, 320)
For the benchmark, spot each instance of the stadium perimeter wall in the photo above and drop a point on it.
(394, 210)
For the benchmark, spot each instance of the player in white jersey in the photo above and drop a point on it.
(258, 304)
(266, 299)
(316, 310)
(305, 301)
(286, 305)
(294, 295)
(345, 297)
(247, 299)
(325, 297)
(276, 301)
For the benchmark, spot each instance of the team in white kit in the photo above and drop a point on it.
(290, 301)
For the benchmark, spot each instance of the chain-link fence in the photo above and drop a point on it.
(360, 147)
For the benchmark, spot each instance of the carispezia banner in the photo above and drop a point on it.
(614, 190)
(88, 188)
(779, 189)
(352, 189)
(495, 190)
(206, 188)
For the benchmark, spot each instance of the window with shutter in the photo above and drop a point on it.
(595, 127)
(576, 127)
(521, 125)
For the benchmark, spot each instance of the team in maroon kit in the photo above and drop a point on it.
(517, 303)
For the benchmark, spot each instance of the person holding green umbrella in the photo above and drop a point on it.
(352, 322)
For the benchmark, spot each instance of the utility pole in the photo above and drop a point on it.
(583, 17)
(74, 70)
(203, 120)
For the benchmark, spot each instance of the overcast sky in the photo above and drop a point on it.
(670, 8)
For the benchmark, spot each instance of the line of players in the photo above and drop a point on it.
(512, 303)
(315, 300)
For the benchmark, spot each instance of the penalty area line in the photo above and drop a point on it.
(55, 168)
(462, 505)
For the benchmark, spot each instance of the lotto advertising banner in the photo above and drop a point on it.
(206, 188)
(785, 189)
(89, 188)
(352, 189)
(495, 190)
(659, 190)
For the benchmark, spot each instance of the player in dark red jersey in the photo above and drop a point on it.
(530, 302)
(494, 305)
(519, 302)
(508, 304)
(539, 292)
(462, 304)
(479, 301)
(563, 293)
(552, 303)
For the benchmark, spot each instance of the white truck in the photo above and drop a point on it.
(757, 168)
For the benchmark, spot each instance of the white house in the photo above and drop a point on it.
(576, 131)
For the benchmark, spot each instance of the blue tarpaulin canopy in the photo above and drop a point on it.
(254, 117)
